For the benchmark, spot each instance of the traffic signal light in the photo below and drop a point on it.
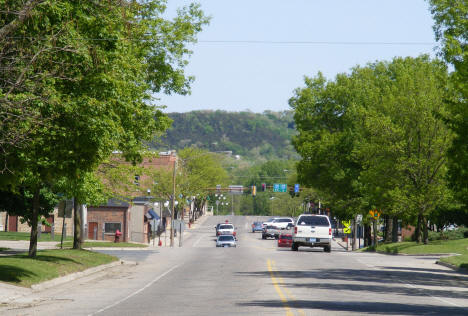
(263, 187)
(254, 190)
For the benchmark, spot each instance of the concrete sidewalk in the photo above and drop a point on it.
(23, 245)
(165, 237)
(10, 292)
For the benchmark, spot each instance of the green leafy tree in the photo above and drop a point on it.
(451, 29)
(376, 138)
(326, 140)
(106, 60)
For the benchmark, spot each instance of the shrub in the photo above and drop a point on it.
(459, 233)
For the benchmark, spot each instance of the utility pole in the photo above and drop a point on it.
(173, 202)
(232, 204)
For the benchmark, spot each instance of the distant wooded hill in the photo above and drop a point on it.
(252, 135)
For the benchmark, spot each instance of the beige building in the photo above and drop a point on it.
(14, 223)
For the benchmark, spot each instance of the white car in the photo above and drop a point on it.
(226, 241)
(312, 231)
(268, 222)
(226, 229)
(283, 222)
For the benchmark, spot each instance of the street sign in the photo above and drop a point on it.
(347, 230)
(375, 214)
(276, 187)
(236, 189)
(296, 188)
(280, 187)
(359, 218)
(284, 187)
(346, 223)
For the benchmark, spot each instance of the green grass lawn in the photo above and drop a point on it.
(49, 264)
(459, 246)
(103, 244)
(26, 236)
(3, 249)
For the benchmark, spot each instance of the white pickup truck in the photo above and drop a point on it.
(312, 231)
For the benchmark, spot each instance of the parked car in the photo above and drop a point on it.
(283, 222)
(285, 240)
(270, 231)
(312, 231)
(226, 241)
(226, 229)
(257, 227)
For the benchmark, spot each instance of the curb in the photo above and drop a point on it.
(119, 248)
(339, 243)
(73, 276)
(451, 266)
(418, 255)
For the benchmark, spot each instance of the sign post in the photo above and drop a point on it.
(346, 230)
(375, 216)
(359, 229)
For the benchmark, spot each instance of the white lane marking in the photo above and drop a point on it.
(196, 242)
(411, 285)
(137, 291)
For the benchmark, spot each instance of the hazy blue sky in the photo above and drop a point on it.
(258, 77)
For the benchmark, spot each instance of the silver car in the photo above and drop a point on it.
(226, 241)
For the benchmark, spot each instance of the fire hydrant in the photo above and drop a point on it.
(117, 235)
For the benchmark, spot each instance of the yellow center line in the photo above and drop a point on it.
(288, 292)
(278, 290)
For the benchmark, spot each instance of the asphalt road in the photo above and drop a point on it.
(257, 278)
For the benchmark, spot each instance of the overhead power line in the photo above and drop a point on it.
(257, 42)
(316, 42)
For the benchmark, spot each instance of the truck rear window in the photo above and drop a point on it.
(313, 221)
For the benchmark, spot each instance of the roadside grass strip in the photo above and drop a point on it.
(27, 236)
(457, 246)
(104, 244)
(23, 271)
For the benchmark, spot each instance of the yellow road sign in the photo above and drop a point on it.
(347, 230)
(375, 214)
(346, 223)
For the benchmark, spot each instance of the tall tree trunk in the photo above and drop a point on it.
(367, 235)
(425, 232)
(77, 224)
(417, 232)
(388, 228)
(34, 224)
(395, 229)
(375, 241)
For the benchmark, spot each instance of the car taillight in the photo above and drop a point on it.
(234, 233)
(218, 233)
(295, 229)
(329, 231)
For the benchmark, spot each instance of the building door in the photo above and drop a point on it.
(91, 227)
(12, 223)
(50, 220)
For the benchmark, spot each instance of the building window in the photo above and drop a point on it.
(111, 228)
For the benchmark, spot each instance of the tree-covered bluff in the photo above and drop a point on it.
(253, 135)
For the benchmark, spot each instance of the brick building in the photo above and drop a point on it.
(130, 217)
